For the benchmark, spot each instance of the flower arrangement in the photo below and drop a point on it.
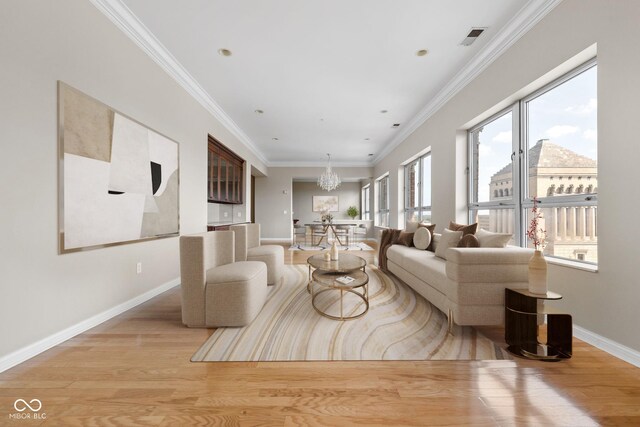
(535, 233)
(326, 217)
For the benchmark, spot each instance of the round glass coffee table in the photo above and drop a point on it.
(328, 275)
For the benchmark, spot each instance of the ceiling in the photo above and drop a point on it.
(322, 72)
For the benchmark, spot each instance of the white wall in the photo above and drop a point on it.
(605, 302)
(274, 197)
(348, 195)
(42, 292)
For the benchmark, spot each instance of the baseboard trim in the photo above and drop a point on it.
(605, 344)
(26, 353)
(276, 239)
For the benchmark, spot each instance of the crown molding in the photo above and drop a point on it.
(128, 23)
(519, 25)
(318, 164)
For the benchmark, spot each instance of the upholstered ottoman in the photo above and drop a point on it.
(273, 257)
(235, 293)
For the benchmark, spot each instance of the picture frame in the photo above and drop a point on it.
(325, 204)
(118, 179)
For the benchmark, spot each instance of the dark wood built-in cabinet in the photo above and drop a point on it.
(226, 173)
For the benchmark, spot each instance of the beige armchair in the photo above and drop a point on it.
(248, 249)
(216, 291)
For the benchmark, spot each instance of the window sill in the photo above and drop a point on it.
(572, 264)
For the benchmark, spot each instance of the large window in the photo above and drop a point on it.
(382, 195)
(364, 202)
(417, 190)
(543, 146)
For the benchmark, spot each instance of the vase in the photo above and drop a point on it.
(334, 252)
(538, 274)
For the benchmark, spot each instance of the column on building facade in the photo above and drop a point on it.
(493, 221)
(571, 224)
(562, 222)
(505, 220)
(581, 223)
(553, 222)
(498, 220)
(591, 223)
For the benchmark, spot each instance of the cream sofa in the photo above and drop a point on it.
(469, 285)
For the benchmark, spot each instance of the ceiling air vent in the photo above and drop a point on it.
(396, 125)
(472, 36)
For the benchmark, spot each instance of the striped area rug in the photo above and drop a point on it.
(400, 325)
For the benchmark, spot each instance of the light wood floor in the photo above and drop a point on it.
(135, 370)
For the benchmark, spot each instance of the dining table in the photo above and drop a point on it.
(330, 225)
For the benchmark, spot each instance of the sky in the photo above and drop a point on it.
(566, 115)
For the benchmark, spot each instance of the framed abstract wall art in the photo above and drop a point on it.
(118, 179)
(325, 203)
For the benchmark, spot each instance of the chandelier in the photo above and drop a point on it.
(328, 180)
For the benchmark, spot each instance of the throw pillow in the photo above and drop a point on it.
(489, 239)
(422, 238)
(411, 227)
(405, 239)
(469, 241)
(431, 228)
(448, 240)
(435, 241)
(466, 229)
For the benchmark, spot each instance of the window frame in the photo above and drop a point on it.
(380, 209)
(421, 207)
(365, 201)
(520, 201)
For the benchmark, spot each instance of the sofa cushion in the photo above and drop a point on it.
(466, 229)
(490, 265)
(422, 264)
(236, 272)
(469, 241)
(411, 226)
(448, 240)
(405, 239)
(435, 241)
(432, 230)
(489, 239)
(422, 238)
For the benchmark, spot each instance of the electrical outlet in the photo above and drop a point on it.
(139, 267)
(239, 214)
(285, 212)
(226, 214)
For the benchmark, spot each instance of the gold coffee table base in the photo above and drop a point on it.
(327, 280)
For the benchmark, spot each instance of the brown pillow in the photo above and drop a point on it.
(405, 239)
(469, 241)
(466, 229)
(431, 228)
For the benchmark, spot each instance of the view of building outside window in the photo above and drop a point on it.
(417, 201)
(382, 190)
(560, 169)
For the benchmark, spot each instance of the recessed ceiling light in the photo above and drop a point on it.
(367, 139)
(224, 52)
(384, 111)
(422, 52)
(275, 139)
(370, 154)
(259, 111)
(396, 125)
